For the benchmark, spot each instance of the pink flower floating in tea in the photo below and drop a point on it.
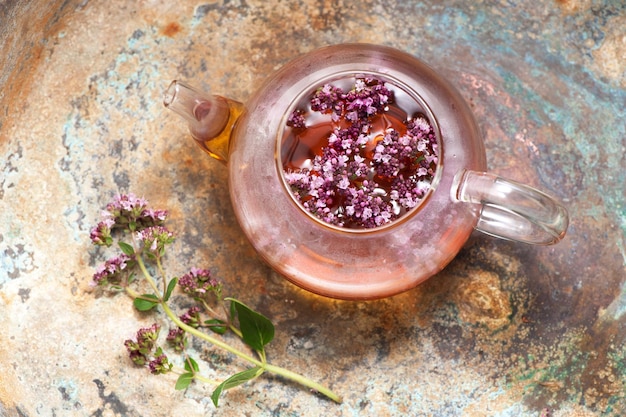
(364, 175)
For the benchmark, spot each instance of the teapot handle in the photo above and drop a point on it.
(511, 210)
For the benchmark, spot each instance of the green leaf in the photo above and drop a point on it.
(146, 302)
(126, 248)
(234, 381)
(170, 288)
(216, 325)
(256, 329)
(184, 381)
(233, 310)
(191, 365)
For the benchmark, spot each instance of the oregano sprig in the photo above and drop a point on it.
(212, 316)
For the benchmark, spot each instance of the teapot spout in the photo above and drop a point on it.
(210, 117)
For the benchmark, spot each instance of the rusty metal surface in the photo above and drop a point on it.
(505, 330)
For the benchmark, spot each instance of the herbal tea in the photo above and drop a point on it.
(357, 172)
(359, 152)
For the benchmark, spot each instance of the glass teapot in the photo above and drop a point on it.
(357, 172)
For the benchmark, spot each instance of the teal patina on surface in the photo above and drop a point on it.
(505, 330)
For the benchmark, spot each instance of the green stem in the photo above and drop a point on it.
(302, 380)
(147, 275)
(133, 294)
(235, 330)
(262, 356)
(205, 379)
(208, 309)
(208, 338)
(143, 268)
(162, 272)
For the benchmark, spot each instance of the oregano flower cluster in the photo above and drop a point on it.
(139, 272)
(143, 350)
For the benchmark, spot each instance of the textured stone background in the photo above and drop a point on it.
(506, 330)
